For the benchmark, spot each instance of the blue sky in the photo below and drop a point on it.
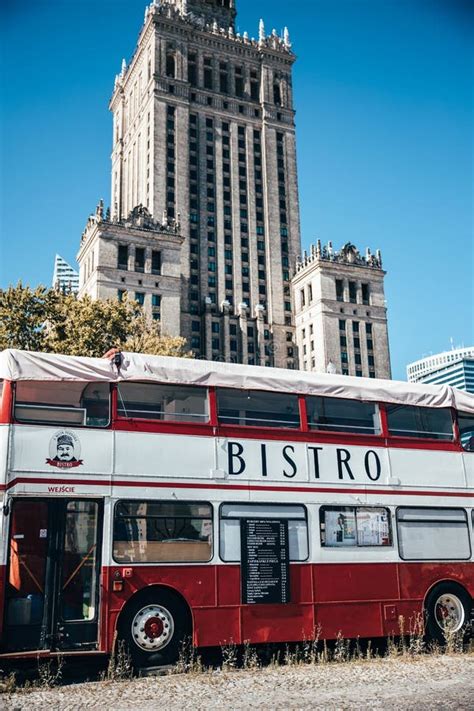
(384, 98)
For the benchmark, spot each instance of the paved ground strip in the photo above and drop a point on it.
(436, 682)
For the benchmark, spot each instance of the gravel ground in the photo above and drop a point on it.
(437, 682)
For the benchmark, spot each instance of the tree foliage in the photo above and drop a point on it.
(46, 320)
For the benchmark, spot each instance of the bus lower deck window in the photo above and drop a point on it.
(354, 526)
(232, 514)
(433, 534)
(162, 532)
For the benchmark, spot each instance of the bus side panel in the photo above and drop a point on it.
(277, 623)
(349, 597)
(350, 619)
(355, 582)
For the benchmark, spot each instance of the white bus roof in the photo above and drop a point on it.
(25, 365)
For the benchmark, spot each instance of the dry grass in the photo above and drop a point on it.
(409, 645)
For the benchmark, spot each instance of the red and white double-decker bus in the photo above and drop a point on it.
(149, 498)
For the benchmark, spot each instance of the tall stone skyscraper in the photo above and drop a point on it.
(204, 220)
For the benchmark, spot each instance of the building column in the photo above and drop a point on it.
(260, 323)
(243, 323)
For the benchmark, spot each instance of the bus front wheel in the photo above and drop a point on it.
(154, 627)
(448, 611)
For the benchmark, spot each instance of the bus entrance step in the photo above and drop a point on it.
(156, 671)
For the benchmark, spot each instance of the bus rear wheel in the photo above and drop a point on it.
(154, 628)
(448, 610)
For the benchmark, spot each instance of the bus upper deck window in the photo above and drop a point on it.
(334, 414)
(466, 430)
(257, 409)
(426, 422)
(63, 403)
(151, 401)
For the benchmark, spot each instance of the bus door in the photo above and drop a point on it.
(52, 587)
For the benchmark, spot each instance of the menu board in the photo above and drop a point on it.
(265, 559)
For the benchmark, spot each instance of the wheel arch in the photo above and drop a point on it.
(444, 581)
(144, 593)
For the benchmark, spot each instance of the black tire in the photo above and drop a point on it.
(456, 601)
(153, 628)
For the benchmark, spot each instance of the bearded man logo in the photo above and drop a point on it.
(64, 451)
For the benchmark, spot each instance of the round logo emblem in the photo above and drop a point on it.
(64, 450)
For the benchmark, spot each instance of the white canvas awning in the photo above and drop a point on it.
(26, 365)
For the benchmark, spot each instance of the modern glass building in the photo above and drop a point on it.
(455, 367)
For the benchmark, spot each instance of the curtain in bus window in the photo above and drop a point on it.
(149, 401)
(329, 413)
(428, 422)
(257, 409)
(433, 534)
(231, 514)
(156, 532)
(63, 403)
(466, 430)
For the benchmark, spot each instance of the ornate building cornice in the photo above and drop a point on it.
(348, 254)
(138, 218)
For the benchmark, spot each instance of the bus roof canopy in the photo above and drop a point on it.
(25, 365)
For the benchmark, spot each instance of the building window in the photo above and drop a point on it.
(139, 259)
(355, 326)
(352, 292)
(122, 257)
(156, 300)
(365, 294)
(140, 297)
(170, 65)
(120, 294)
(192, 70)
(339, 290)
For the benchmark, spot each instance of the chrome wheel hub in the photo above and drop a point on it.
(449, 612)
(152, 628)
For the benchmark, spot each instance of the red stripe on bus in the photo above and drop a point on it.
(231, 487)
